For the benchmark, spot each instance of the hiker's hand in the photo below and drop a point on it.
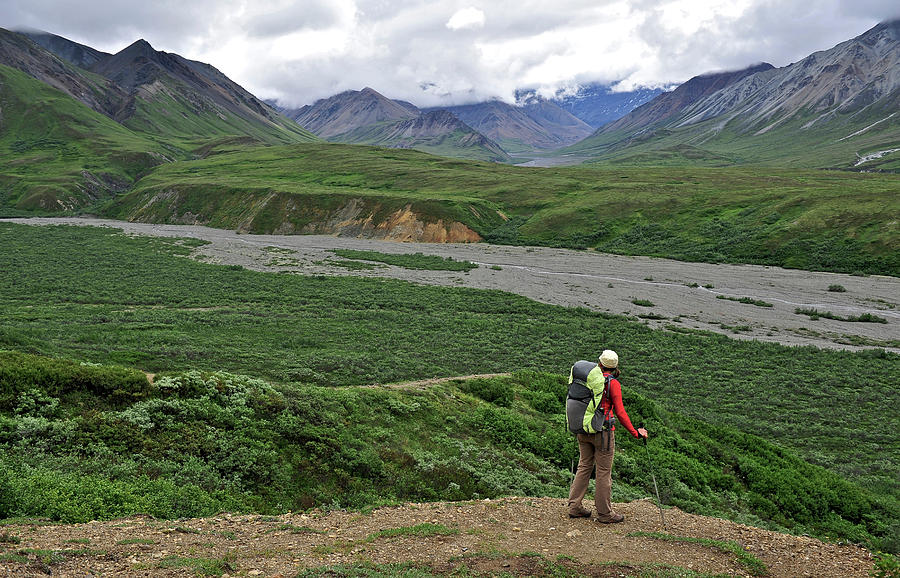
(642, 433)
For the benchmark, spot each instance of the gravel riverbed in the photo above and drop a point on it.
(661, 293)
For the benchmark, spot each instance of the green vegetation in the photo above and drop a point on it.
(81, 442)
(886, 566)
(837, 288)
(407, 260)
(504, 565)
(751, 562)
(174, 116)
(457, 144)
(747, 300)
(201, 566)
(130, 541)
(419, 530)
(352, 265)
(815, 314)
(57, 154)
(643, 303)
(47, 557)
(792, 218)
(297, 529)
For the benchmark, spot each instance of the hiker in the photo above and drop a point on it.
(596, 433)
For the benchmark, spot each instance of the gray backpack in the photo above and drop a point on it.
(584, 414)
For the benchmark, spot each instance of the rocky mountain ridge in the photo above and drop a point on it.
(146, 89)
(598, 104)
(19, 52)
(670, 104)
(848, 78)
(533, 124)
(72, 52)
(348, 111)
(73, 137)
(835, 108)
(368, 117)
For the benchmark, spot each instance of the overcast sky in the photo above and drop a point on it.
(433, 52)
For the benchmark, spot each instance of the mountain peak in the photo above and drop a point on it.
(349, 110)
(138, 48)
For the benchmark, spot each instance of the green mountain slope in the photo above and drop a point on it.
(804, 219)
(56, 154)
(90, 136)
(186, 103)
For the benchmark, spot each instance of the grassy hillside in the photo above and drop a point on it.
(163, 113)
(195, 443)
(200, 442)
(56, 154)
(833, 221)
(461, 144)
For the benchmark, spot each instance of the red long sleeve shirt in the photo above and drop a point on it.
(614, 403)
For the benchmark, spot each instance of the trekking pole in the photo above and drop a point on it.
(655, 487)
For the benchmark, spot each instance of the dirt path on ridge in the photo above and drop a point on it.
(487, 536)
(680, 295)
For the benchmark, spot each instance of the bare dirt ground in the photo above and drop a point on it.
(683, 295)
(489, 537)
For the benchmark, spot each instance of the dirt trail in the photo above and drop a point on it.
(424, 383)
(488, 536)
(658, 292)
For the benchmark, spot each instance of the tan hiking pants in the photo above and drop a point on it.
(594, 450)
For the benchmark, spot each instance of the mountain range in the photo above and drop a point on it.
(489, 130)
(533, 124)
(80, 124)
(599, 104)
(833, 109)
(837, 108)
(368, 117)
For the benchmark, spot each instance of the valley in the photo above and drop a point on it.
(682, 296)
(267, 395)
(241, 338)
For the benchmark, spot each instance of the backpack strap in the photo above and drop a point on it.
(609, 421)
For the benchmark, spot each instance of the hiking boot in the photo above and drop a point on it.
(613, 519)
(580, 513)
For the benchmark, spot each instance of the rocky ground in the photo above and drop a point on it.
(518, 536)
(659, 292)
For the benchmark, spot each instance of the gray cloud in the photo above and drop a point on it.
(301, 50)
(293, 18)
